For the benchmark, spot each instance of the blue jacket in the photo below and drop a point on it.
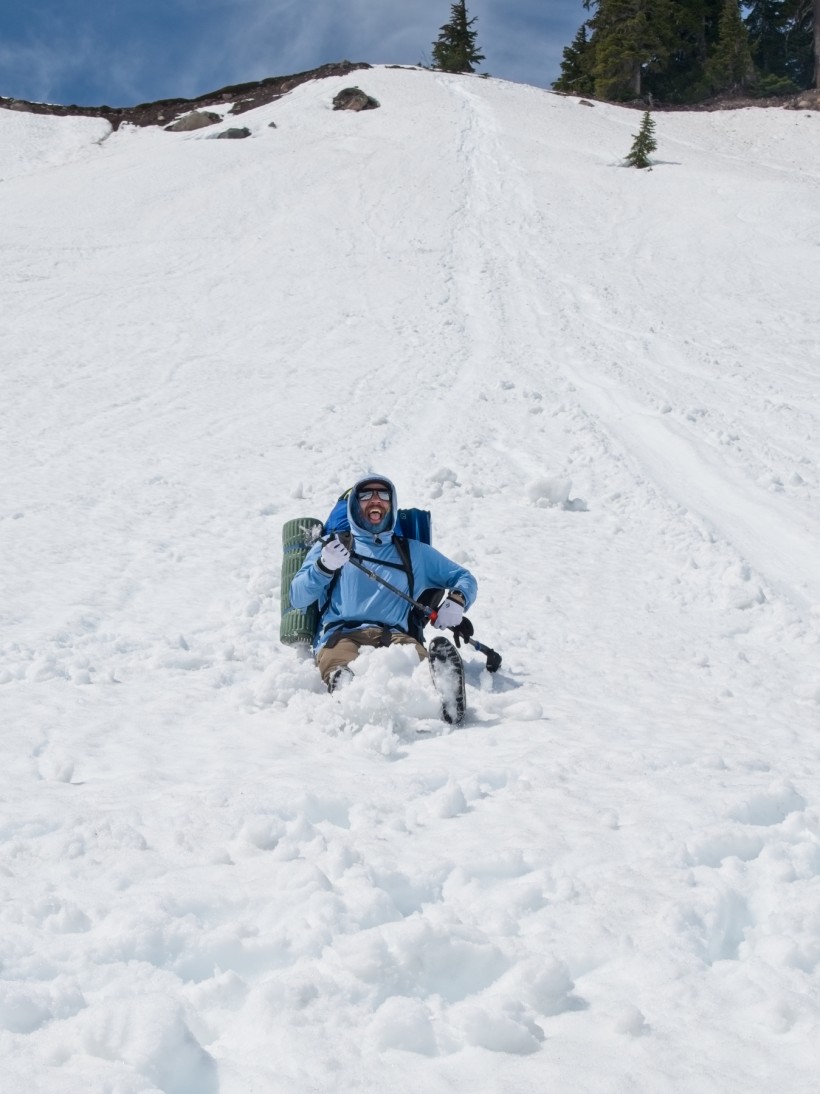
(356, 600)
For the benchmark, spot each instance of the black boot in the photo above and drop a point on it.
(339, 678)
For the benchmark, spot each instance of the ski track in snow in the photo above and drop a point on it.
(603, 383)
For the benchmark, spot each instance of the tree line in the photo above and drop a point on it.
(684, 51)
(671, 51)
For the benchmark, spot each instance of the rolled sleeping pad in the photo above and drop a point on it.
(297, 626)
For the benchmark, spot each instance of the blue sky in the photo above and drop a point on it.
(122, 52)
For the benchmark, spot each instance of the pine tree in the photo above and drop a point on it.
(804, 42)
(576, 66)
(455, 49)
(766, 22)
(677, 77)
(731, 67)
(643, 143)
(780, 43)
(631, 37)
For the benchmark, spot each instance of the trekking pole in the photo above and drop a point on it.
(493, 657)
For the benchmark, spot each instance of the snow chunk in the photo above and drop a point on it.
(405, 1024)
(629, 1020)
(554, 493)
(499, 1028)
(150, 1033)
(25, 1006)
(391, 695)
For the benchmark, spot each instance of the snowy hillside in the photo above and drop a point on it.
(605, 385)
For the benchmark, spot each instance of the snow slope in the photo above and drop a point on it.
(604, 383)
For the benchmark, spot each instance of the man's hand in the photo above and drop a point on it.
(334, 555)
(449, 614)
(463, 632)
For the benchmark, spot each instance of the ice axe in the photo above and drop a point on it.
(493, 657)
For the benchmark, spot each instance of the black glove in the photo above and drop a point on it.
(463, 631)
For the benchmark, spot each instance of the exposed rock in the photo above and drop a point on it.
(351, 98)
(196, 120)
(166, 111)
(232, 134)
(805, 100)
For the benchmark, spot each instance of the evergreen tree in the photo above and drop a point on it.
(693, 34)
(711, 13)
(631, 37)
(576, 66)
(643, 143)
(803, 50)
(455, 49)
(731, 67)
(767, 23)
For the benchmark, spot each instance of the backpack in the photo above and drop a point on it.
(410, 523)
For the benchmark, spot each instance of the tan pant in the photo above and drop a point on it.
(330, 658)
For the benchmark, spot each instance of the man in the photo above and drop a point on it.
(357, 611)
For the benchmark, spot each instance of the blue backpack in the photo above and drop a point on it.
(410, 523)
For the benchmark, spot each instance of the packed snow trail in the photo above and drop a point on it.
(691, 450)
(603, 384)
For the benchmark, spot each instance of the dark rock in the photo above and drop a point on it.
(232, 134)
(351, 98)
(198, 119)
(806, 100)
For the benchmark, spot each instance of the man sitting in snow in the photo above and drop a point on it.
(357, 611)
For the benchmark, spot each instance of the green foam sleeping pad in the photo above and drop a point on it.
(297, 626)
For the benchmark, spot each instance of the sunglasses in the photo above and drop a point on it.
(366, 495)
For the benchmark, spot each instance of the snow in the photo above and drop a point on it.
(604, 384)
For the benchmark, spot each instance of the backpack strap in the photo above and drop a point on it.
(415, 618)
(403, 549)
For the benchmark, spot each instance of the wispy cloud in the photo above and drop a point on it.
(126, 53)
(38, 70)
(520, 40)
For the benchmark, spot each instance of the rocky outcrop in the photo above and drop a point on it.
(236, 134)
(166, 112)
(805, 100)
(196, 120)
(352, 98)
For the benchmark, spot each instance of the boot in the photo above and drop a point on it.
(339, 678)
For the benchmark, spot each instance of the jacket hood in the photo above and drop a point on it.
(356, 517)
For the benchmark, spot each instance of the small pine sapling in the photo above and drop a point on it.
(643, 144)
